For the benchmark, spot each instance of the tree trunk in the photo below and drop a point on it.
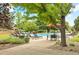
(48, 30)
(63, 35)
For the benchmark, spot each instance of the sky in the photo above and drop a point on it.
(73, 15)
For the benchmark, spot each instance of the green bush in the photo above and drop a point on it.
(26, 39)
(41, 31)
(21, 37)
(75, 39)
(15, 40)
(3, 42)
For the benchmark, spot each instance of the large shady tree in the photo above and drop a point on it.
(50, 13)
(64, 9)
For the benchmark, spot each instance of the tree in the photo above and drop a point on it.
(68, 27)
(50, 13)
(18, 18)
(28, 26)
(64, 10)
(76, 26)
(5, 18)
(41, 24)
(43, 11)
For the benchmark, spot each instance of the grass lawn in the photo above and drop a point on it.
(7, 38)
(4, 45)
(4, 36)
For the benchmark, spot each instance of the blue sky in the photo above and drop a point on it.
(73, 15)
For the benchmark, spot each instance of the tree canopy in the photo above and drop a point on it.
(27, 26)
(50, 13)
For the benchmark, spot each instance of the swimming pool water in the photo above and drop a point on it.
(44, 34)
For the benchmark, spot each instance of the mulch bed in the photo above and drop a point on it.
(6, 46)
(69, 48)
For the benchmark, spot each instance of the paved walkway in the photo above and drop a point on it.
(36, 47)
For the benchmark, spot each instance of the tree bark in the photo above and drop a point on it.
(48, 30)
(63, 35)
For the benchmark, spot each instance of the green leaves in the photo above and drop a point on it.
(76, 26)
(28, 26)
(48, 12)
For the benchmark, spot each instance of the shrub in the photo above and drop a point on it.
(3, 42)
(15, 40)
(26, 39)
(75, 39)
(71, 44)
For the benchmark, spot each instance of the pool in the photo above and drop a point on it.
(45, 34)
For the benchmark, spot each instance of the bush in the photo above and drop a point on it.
(41, 31)
(75, 39)
(3, 42)
(15, 40)
(71, 44)
(26, 39)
